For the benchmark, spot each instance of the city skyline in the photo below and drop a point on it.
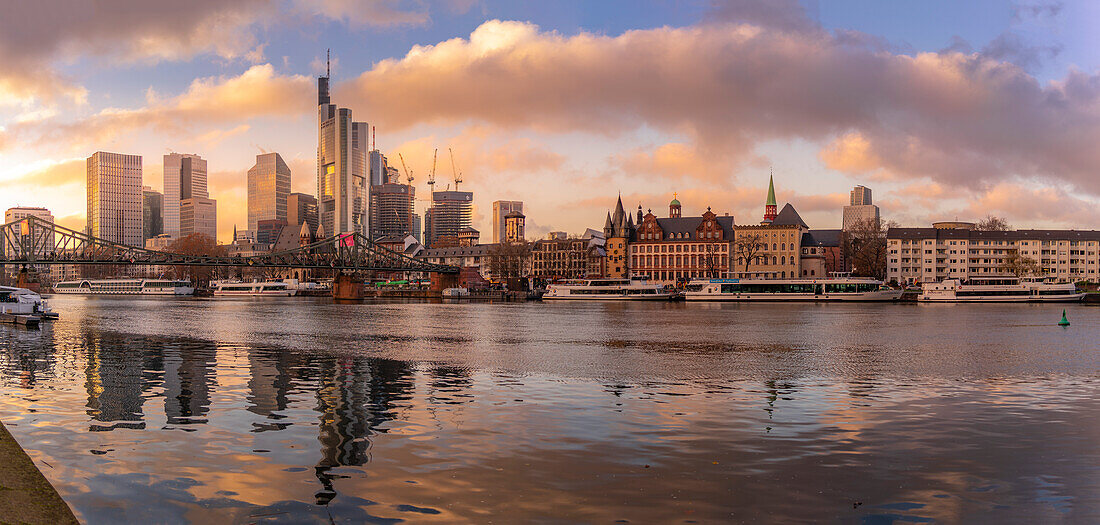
(509, 141)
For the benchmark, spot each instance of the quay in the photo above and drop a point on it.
(25, 320)
(26, 496)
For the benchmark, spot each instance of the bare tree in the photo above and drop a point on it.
(748, 246)
(1019, 265)
(711, 259)
(201, 245)
(509, 260)
(992, 224)
(865, 246)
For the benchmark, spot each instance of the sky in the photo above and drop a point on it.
(947, 110)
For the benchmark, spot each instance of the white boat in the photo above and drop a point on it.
(999, 290)
(283, 288)
(21, 301)
(633, 289)
(837, 289)
(455, 292)
(125, 287)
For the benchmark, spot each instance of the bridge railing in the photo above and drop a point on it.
(34, 241)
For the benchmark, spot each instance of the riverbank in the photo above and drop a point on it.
(25, 494)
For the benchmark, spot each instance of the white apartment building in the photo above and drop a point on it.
(916, 255)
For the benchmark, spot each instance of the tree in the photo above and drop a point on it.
(1019, 265)
(864, 244)
(748, 246)
(197, 244)
(509, 260)
(712, 259)
(992, 224)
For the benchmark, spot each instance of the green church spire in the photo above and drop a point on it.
(771, 192)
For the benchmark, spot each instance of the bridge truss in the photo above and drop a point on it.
(34, 241)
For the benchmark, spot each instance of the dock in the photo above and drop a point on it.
(20, 319)
(26, 496)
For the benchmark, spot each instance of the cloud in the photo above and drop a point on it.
(379, 13)
(257, 92)
(1026, 203)
(956, 118)
(216, 136)
(51, 175)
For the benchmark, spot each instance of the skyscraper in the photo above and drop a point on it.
(152, 213)
(342, 169)
(501, 209)
(391, 210)
(301, 207)
(860, 210)
(451, 212)
(268, 188)
(199, 215)
(184, 178)
(114, 197)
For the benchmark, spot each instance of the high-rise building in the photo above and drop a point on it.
(184, 178)
(199, 215)
(861, 209)
(268, 230)
(514, 227)
(114, 197)
(391, 207)
(379, 166)
(452, 211)
(342, 170)
(501, 209)
(301, 207)
(14, 214)
(268, 188)
(152, 213)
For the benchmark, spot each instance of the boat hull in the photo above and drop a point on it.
(594, 297)
(1074, 298)
(866, 297)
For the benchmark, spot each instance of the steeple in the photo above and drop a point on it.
(769, 206)
(639, 214)
(608, 229)
(674, 207)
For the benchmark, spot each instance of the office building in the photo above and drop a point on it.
(199, 215)
(114, 197)
(955, 250)
(17, 237)
(268, 189)
(268, 230)
(451, 212)
(302, 207)
(342, 167)
(514, 227)
(860, 210)
(391, 207)
(500, 210)
(152, 213)
(184, 178)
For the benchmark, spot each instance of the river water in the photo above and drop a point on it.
(301, 410)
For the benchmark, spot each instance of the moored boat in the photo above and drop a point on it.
(283, 288)
(125, 287)
(999, 290)
(837, 289)
(22, 302)
(633, 289)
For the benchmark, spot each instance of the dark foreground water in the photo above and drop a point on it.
(299, 410)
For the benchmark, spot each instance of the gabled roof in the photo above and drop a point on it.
(690, 224)
(788, 217)
(827, 238)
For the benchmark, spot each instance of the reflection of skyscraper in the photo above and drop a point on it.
(188, 378)
(113, 380)
(268, 384)
(342, 169)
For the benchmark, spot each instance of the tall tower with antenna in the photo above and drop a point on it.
(343, 183)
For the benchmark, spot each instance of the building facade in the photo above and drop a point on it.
(778, 244)
(451, 212)
(184, 178)
(268, 189)
(919, 255)
(860, 210)
(618, 230)
(17, 238)
(302, 208)
(392, 210)
(152, 213)
(342, 167)
(268, 230)
(115, 198)
(199, 215)
(515, 227)
(501, 209)
(677, 248)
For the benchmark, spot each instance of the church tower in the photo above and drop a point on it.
(674, 208)
(769, 207)
(622, 228)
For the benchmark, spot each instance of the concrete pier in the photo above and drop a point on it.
(25, 494)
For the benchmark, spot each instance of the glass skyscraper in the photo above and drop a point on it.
(268, 188)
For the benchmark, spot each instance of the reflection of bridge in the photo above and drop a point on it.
(33, 241)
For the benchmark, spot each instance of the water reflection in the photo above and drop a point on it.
(227, 432)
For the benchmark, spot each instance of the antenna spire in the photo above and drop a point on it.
(327, 63)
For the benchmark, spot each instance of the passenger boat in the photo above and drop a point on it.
(125, 287)
(24, 302)
(837, 289)
(283, 288)
(999, 290)
(455, 292)
(633, 289)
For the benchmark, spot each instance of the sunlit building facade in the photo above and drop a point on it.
(342, 170)
(184, 178)
(268, 189)
(114, 197)
(501, 209)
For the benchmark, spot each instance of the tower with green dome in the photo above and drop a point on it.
(674, 208)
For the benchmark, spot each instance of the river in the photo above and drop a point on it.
(161, 410)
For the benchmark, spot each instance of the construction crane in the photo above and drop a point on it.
(408, 174)
(431, 175)
(454, 170)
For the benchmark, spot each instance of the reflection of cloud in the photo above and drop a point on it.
(960, 119)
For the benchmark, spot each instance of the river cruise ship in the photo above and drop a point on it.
(284, 288)
(633, 289)
(838, 289)
(999, 290)
(125, 287)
